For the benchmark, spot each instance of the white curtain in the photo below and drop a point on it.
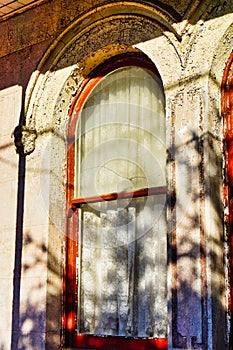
(121, 135)
(122, 259)
(123, 263)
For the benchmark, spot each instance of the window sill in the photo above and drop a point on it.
(82, 342)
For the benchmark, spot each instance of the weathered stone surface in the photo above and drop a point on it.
(47, 52)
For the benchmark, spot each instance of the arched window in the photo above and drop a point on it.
(118, 192)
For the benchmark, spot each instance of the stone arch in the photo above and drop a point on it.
(221, 56)
(124, 27)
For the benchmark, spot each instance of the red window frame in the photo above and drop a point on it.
(70, 284)
(227, 113)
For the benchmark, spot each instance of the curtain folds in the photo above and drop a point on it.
(123, 263)
(120, 147)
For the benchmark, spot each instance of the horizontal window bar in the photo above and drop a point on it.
(77, 202)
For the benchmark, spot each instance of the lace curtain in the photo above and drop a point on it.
(123, 264)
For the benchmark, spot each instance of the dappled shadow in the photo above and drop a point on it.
(190, 243)
(194, 240)
(188, 240)
(188, 257)
(33, 324)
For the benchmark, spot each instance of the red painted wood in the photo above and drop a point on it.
(230, 173)
(120, 195)
(116, 343)
(227, 112)
(71, 291)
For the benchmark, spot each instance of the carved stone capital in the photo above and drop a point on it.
(24, 139)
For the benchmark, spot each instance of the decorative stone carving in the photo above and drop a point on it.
(24, 139)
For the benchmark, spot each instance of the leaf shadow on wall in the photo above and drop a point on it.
(186, 255)
(197, 166)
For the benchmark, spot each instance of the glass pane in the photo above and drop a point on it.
(121, 135)
(123, 262)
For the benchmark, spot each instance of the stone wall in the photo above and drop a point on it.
(45, 54)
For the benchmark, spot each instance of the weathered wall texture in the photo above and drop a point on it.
(10, 101)
(45, 53)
